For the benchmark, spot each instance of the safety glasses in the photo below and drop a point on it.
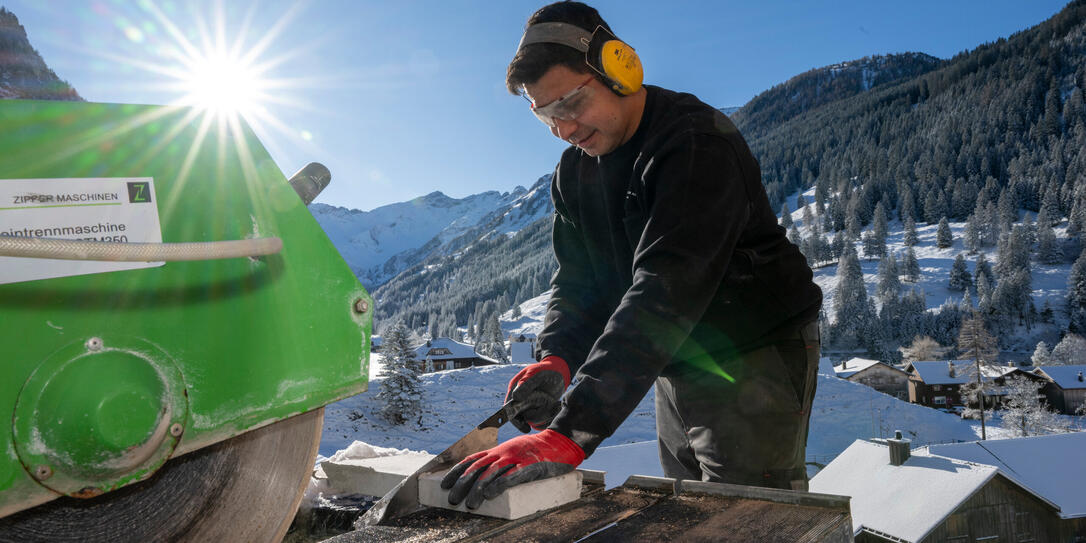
(567, 107)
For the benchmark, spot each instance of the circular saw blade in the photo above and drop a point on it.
(244, 489)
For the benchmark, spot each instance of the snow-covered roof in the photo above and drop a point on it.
(906, 501)
(1049, 465)
(853, 366)
(1067, 377)
(520, 352)
(937, 372)
(444, 348)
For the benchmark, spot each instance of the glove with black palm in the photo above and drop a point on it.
(536, 393)
(520, 460)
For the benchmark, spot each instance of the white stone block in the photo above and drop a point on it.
(372, 476)
(518, 501)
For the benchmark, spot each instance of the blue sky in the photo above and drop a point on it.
(400, 99)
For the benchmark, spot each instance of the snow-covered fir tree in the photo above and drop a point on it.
(837, 247)
(1012, 303)
(879, 229)
(1050, 208)
(943, 237)
(1076, 295)
(400, 394)
(786, 217)
(984, 293)
(1048, 248)
(960, 278)
(910, 237)
(889, 286)
(794, 235)
(984, 267)
(971, 235)
(850, 304)
(491, 342)
(1013, 253)
(808, 218)
(1030, 230)
(912, 266)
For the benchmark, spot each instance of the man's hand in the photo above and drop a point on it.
(520, 460)
(537, 393)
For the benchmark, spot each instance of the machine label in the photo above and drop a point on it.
(115, 209)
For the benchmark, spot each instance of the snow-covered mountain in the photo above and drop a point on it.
(381, 243)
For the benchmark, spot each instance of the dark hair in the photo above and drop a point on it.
(532, 61)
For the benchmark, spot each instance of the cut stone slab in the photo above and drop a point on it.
(519, 501)
(373, 476)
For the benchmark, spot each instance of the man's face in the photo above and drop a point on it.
(603, 121)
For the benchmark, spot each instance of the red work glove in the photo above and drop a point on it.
(537, 393)
(520, 460)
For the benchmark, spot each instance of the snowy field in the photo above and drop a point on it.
(454, 401)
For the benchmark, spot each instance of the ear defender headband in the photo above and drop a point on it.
(609, 56)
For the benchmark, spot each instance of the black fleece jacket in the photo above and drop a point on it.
(669, 258)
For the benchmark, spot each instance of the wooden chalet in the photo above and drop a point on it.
(875, 374)
(939, 383)
(1065, 387)
(444, 353)
(950, 494)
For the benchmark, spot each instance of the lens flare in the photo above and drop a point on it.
(223, 85)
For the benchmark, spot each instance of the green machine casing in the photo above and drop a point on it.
(108, 375)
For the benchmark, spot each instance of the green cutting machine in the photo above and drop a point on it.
(172, 322)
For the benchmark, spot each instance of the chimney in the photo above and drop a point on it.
(844, 365)
(949, 371)
(1080, 376)
(899, 449)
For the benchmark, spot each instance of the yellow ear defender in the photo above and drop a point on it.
(609, 56)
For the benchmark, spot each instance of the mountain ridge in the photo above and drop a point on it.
(23, 72)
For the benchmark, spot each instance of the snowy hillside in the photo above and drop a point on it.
(381, 243)
(1048, 285)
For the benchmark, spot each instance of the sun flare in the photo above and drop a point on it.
(223, 85)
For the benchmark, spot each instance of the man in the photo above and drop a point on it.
(672, 270)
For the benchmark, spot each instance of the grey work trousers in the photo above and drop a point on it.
(752, 431)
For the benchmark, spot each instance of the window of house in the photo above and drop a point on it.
(439, 366)
(1023, 527)
(957, 528)
(938, 400)
(937, 387)
(438, 351)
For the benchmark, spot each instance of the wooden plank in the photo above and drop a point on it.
(577, 519)
(697, 518)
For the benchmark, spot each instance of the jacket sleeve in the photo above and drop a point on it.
(574, 317)
(697, 205)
